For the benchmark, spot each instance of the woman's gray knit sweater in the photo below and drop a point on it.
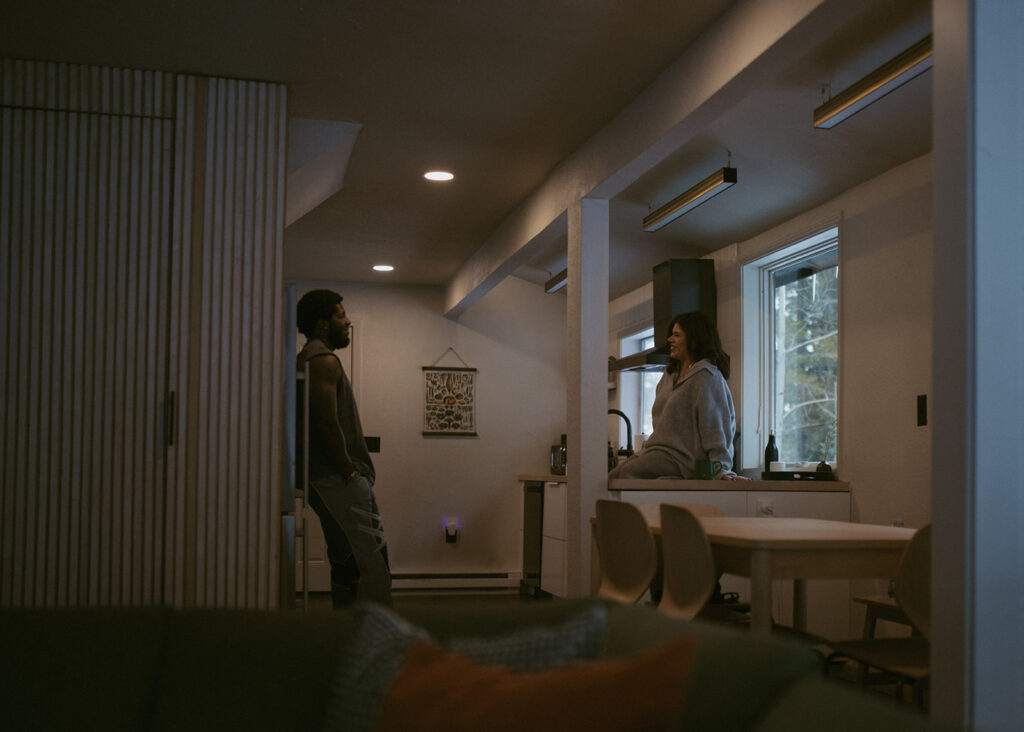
(694, 419)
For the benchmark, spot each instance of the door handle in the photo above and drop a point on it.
(171, 417)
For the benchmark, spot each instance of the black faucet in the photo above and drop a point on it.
(629, 430)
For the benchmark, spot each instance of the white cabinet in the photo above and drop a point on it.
(832, 505)
(733, 503)
(319, 566)
(828, 504)
(553, 572)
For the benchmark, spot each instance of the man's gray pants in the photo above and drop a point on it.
(351, 506)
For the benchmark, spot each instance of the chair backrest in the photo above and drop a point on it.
(625, 548)
(653, 510)
(689, 574)
(914, 580)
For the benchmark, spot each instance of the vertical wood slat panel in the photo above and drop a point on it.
(217, 523)
(84, 520)
(82, 486)
(107, 257)
(55, 487)
(178, 579)
(271, 365)
(36, 457)
(15, 525)
(93, 468)
(66, 532)
(225, 486)
(80, 262)
(240, 160)
(6, 425)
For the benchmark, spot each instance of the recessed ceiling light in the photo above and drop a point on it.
(438, 175)
(383, 267)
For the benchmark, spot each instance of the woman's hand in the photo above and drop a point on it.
(729, 476)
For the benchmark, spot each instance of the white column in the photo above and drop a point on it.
(587, 367)
(978, 464)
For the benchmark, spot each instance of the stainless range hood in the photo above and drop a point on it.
(680, 286)
(653, 359)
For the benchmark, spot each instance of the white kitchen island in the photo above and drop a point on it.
(824, 499)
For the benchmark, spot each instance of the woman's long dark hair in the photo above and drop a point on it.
(702, 341)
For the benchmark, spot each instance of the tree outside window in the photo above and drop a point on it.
(806, 358)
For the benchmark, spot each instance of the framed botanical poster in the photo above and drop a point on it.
(449, 401)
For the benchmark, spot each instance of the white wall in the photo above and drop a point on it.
(627, 315)
(886, 350)
(514, 337)
(885, 335)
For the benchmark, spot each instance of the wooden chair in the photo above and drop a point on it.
(689, 574)
(906, 658)
(626, 551)
(689, 566)
(652, 511)
(880, 607)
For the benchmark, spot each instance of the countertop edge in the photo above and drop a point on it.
(680, 484)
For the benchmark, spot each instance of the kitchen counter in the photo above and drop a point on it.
(543, 478)
(681, 484)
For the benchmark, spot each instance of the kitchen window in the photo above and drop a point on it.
(648, 385)
(791, 323)
(636, 388)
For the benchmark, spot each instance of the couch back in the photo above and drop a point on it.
(163, 669)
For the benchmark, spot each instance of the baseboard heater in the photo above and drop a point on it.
(456, 581)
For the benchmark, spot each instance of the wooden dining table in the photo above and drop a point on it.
(798, 549)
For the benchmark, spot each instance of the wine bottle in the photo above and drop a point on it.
(558, 458)
(771, 453)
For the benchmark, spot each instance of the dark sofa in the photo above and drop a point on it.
(164, 669)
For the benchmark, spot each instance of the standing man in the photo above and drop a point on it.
(340, 470)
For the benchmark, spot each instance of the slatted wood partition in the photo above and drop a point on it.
(140, 248)
(223, 488)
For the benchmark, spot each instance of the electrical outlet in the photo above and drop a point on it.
(765, 507)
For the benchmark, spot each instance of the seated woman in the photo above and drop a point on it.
(693, 414)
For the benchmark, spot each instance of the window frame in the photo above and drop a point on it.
(757, 411)
(643, 409)
(630, 397)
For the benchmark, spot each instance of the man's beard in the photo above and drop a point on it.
(339, 338)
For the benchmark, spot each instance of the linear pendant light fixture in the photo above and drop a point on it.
(914, 61)
(681, 204)
(557, 282)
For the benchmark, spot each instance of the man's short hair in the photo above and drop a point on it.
(314, 306)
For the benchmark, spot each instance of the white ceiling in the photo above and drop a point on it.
(501, 93)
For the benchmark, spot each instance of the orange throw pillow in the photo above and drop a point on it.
(446, 692)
